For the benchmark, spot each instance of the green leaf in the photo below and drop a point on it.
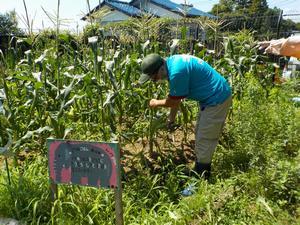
(173, 46)
(145, 45)
(262, 201)
(67, 131)
(30, 134)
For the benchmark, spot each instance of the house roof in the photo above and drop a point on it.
(122, 6)
(180, 8)
(127, 7)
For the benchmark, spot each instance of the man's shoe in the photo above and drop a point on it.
(189, 190)
(203, 170)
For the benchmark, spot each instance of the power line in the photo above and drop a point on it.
(259, 16)
(292, 14)
(250, 17)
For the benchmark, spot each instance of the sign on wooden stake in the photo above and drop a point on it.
(95, 164)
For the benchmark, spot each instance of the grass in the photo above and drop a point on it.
(254, 181)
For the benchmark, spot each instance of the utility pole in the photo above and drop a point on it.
(279, 23)
(277, 37)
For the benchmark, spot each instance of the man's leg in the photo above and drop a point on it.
(208, 129)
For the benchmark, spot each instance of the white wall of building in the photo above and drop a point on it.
(114, 16)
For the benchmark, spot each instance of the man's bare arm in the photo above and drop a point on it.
(168, 102)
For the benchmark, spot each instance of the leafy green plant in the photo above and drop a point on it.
(65, 87)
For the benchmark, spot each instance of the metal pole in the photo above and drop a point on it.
(277, 36)
(279, 23)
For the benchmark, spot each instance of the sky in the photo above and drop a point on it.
(73, 10)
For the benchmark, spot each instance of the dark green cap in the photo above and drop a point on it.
(150, 65)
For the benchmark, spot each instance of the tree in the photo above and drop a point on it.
(252, 15)
(223, 8)
(9, 24)
(243, 6)
(258, 7)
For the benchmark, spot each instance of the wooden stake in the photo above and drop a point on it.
(118, 193)
(7, 170)
(119, 207)
(54, 190)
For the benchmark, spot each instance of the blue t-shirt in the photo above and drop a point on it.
(193, 78)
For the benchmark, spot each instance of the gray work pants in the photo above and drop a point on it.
(208, 129)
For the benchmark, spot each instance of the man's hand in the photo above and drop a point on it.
(168, 102)
(153, 103)
(273, 46)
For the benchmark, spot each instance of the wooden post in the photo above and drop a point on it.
(7, 170)
(53, 188)
(118, 193)
(119, 207)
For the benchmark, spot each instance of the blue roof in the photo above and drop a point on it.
(174, 7)
(125, 7)
(127, 1)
